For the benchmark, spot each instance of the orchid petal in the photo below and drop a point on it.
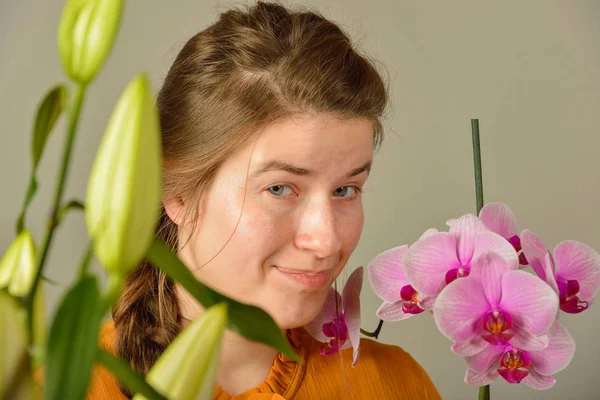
(428, 233)
(386, 274)
(558, 354)
(451, 222)
(528, 342)
(426, 302)
(578, 261)
(492, 267)
(459, 308)
(548, 268)
(535, 252)
(351, 304)
(391, 312)
(466, 229)
(530, 301)
(537, 381)
(492, 242)
(488, 358)
(428, 260)
(499, 218)
(326, 315)
(482, 379)
(470, 347)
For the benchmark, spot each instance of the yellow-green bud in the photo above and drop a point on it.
(18, 266)
(15, 363)
(86, 35)
(187, 369)
(124, 188)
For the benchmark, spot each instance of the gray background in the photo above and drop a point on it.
(527, 69)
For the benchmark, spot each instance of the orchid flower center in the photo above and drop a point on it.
(497, 324)
(410, 300)
(569, 301)
(338, 332)
(456, 273)
(514, 365)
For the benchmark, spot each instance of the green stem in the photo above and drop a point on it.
(374, 334)
(477, 164)
(58, 194)
(484, 391)
(133, 380)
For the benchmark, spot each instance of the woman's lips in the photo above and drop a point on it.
(308, 280)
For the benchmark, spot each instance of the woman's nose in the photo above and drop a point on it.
(317, 229)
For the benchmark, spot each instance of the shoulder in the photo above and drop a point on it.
(103, 385)
(383, 371)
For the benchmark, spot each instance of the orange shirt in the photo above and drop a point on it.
(383, 372)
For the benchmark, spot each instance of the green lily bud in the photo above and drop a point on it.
(16, 378)
(187, 369)
(18, 266)
(86, 35)
(124, 188)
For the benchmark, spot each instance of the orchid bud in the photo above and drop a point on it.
(123, 193)
(18, 266)
(187, 369)
(16, 378)
(86, 35)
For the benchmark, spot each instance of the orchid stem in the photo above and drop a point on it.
(374, 334)
(477, 164)
(484, 391)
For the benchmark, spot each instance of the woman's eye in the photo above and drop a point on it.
(345, 190)
(279, 190)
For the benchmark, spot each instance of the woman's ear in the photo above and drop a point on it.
(175, 209)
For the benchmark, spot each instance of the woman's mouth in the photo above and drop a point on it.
(307, 279)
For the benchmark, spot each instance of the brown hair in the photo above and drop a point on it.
(246, 70)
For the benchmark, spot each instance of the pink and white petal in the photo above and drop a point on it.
(578, 261)
(548, 267)
(492, 268)
(532, 304)
(386, 274)
(486, 359)
(535, 252)
(391, 312)
(470, 347)
(351, 304)
(459, 308)
(482, 379)
(451, 222)
(558, 354)
(528, 342)
(427, 261)
(326, 315)
(428, 233)
(537, 381)
(466, 229)
(499, 218)
(426, 302)
(492, 242)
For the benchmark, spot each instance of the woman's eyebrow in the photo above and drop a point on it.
(277, 165)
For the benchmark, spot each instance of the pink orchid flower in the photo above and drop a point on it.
(574, 271)
(439, 258)
(515, 365)
(338, 323)
(496, 304)
(387, 278)
(499, 218)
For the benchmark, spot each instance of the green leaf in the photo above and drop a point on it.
(249, 321)
(47, 113)
(31, 190)
(73, 341)
(133, 380)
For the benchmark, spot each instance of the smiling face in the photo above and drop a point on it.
(283, 216)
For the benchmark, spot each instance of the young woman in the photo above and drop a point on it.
(270, 119)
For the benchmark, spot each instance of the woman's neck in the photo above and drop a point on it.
(243, 364)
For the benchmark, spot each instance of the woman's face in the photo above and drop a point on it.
(283, 216)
